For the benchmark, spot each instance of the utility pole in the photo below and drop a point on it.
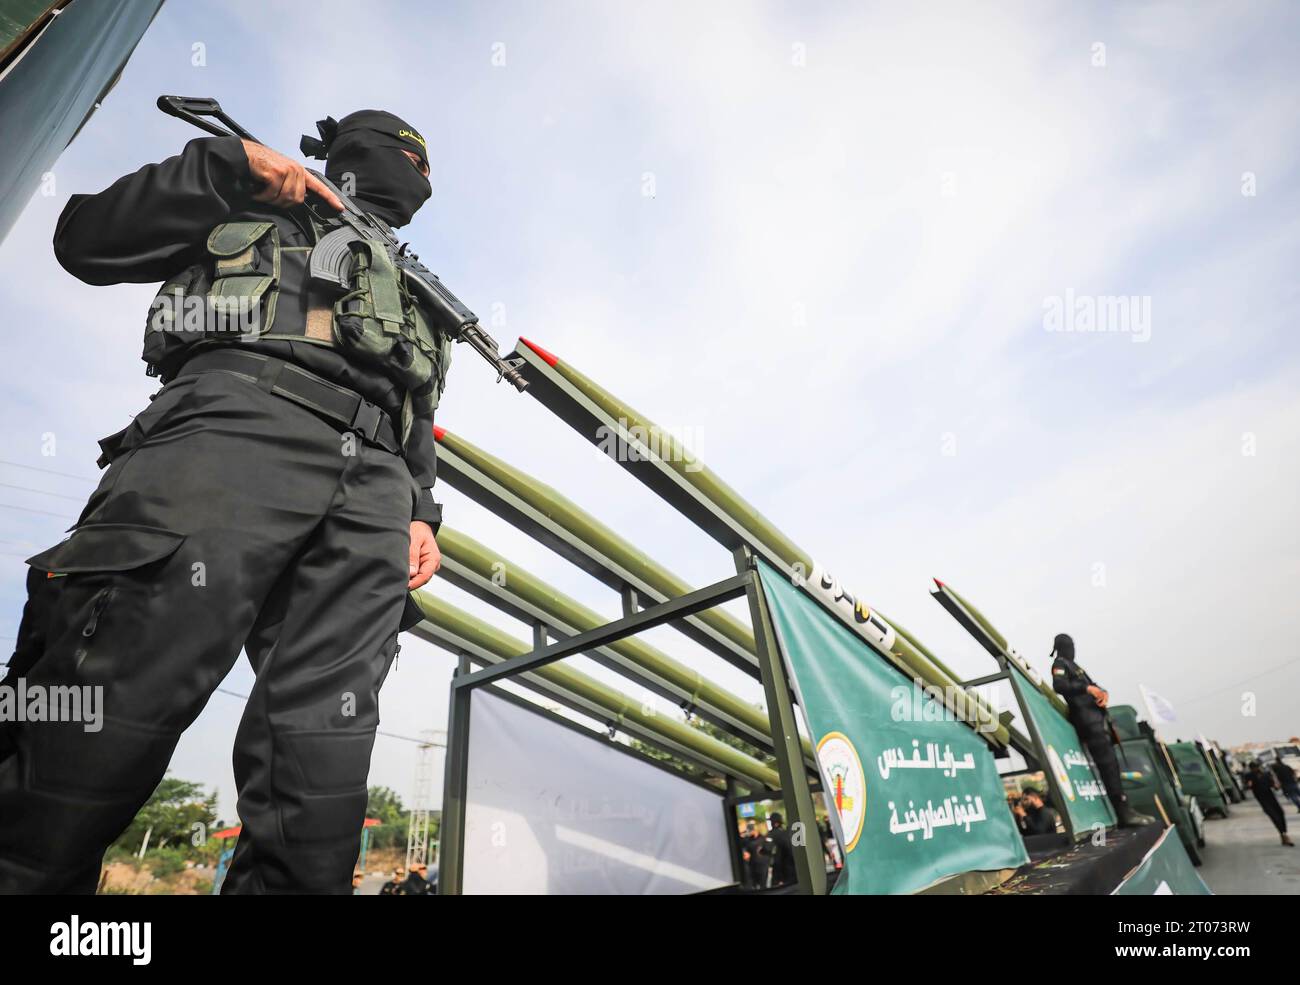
(417, 832)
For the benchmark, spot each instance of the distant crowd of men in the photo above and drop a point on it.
(416, 882)
(767, 857)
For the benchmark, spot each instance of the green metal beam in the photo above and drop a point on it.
(560, 524)
(484, 572)
(665, 466)
(619, 707)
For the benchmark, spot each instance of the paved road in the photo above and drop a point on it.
(1243, 856)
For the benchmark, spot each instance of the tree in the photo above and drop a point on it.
(386, 805)
(176, 814)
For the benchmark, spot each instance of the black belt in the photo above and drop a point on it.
(338, 404)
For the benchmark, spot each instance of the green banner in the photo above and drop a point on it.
(1079, 792)
(1166, 871)
(917, 792)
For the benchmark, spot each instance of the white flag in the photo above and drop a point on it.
(1161, 712)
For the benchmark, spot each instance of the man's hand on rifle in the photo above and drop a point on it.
(283, 181)
(425, 556)
(1098, 695)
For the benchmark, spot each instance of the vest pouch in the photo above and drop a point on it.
(379, 323)
(434, 349)
(177, 319)
(368, 319)
(246, 278)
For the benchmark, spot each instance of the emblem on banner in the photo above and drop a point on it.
(848, 784)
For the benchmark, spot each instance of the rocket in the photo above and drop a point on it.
(458, 631)
(488, 575)
(547, 515)
(975, 623)
(672, 471)
(920, 647)
(990, 633)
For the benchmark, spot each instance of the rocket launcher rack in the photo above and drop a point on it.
(685, 483)
(467, 636)
(562, 627)
(555, 521)
(512, 659)
(975, 623)
(474, 567)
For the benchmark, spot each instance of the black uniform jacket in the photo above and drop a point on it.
(783, 868)
(1071, 682)
(150, 225)
(1038, 821)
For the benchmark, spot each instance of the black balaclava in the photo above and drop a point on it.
(1063, 646)
(367, 145)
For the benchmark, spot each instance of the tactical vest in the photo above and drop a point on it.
(249, 287)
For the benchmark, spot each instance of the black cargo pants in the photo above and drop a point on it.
(228, 518)
(1096, 736)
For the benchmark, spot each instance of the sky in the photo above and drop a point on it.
(829, 242)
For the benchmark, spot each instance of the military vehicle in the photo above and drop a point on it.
(1223, 773)
(1152, 783)
(1198, 777)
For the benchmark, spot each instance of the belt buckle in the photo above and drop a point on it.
(366, 420)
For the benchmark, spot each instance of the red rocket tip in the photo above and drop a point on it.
(438, 433)
(939, 583)
(547, 357)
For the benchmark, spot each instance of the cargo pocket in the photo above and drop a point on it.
(105, 548)
(104, 573)
(103, 567)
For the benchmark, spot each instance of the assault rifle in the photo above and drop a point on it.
(331, 258)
